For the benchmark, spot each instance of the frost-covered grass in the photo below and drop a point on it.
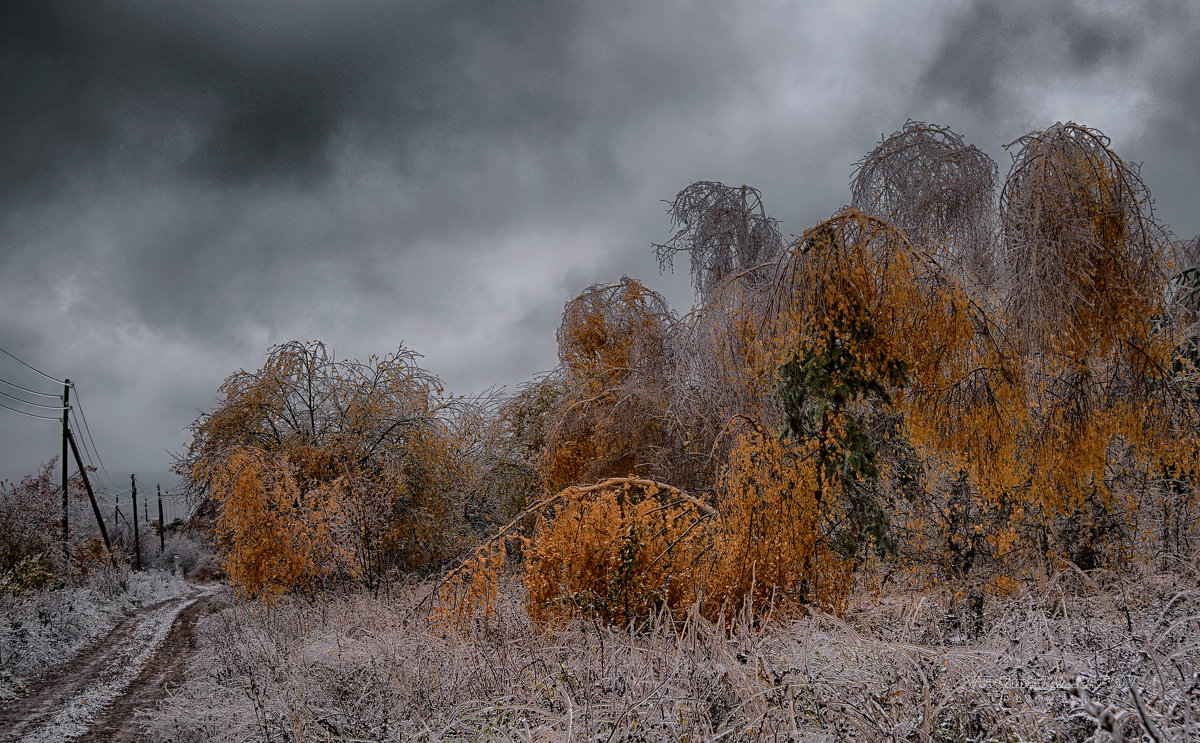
(43, 628)
(914, 665)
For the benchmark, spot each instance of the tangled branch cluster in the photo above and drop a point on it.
(723, 229)
(957, 380)
(1082, 249)
(940, 191)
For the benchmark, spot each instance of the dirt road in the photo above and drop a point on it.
(94, 696)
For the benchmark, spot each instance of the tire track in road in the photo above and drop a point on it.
(68, 702)
(119, 723)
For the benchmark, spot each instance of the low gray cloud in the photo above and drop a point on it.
(188, 183)
(1002, 69)
(991, 45)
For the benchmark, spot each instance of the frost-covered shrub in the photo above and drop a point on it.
(28, 517)
(195, 554)
(30, 573)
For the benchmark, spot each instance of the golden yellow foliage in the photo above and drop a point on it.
(271, 539)
(380, 439)
(613, 353)
(629, 547)
(1083, 251)
(620, 550)
(769, 546)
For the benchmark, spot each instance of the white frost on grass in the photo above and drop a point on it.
(911, 662)
(43, 629)
(75, 715)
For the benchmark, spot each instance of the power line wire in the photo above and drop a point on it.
(26, 389)
(102, 474)
(33, 404)
(88, 430)
(31, 415)
(27, 366)
(87, 453)
(83, 445)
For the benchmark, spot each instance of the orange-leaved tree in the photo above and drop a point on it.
(628, 547)
(621, 549)
(380, 438)
(1085, 261)
(862, 324)
(1047, 433)
(271, 538)
(614, 351)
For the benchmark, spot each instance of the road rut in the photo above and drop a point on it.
(95, 695)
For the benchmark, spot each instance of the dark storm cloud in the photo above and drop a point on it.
(208, 155)
(1005, 67)
(991, 43)
(239, 93)
(184, 184)
(234, 92)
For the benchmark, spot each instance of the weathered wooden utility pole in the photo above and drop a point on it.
(162, 527)
(65, 502)
(137, 543)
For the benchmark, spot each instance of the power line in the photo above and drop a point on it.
(26, 389)
(101, 470)
(33, 404)
(88, 430)
(31, 415)
(79, 405)
(27, 366)
(87, 455)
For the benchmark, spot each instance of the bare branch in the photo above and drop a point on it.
(724, 229)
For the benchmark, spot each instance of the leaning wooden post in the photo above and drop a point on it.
(91, 496)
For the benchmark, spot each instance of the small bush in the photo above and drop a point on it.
(195, 554)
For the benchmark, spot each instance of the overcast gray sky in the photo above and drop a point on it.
(183, 184)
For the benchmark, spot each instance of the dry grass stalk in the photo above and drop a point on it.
(904, 665)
